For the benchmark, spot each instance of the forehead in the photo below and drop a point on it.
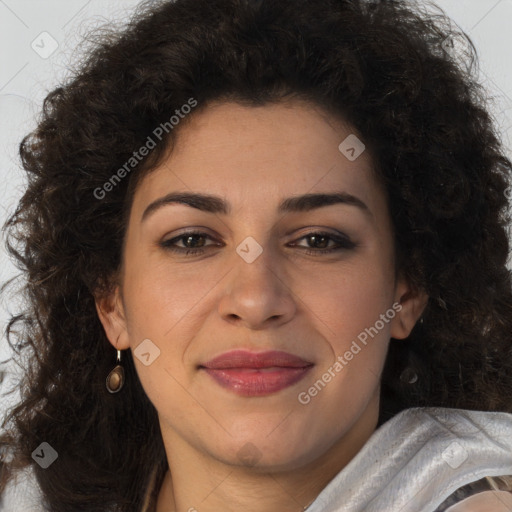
(260, 154)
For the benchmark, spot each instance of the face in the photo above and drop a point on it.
(312, 280)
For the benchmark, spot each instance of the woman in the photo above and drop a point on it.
(266, 254)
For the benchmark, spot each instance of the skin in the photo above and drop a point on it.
(497, 501)
(198, 306)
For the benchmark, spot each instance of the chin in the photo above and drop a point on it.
(258, 450)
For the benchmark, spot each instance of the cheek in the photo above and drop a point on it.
(165, 307)
(352, 309)
(163, 300)
(346, 301)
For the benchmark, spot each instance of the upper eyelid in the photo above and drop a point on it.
(190, 233)
(314, 231)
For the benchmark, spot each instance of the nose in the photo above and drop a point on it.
(257, 295)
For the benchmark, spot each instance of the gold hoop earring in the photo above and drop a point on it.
(115, 379)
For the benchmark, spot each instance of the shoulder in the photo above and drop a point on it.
(452, 455)
(497, 501)
(489, 493)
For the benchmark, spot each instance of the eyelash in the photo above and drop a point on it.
(344, 243)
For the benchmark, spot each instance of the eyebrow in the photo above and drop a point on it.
(215, 204)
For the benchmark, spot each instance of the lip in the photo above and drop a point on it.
(256, 373)
(248, 359)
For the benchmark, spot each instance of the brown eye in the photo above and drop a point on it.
(319, 243)
(193, 243)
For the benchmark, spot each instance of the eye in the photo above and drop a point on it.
(193, 242)
(320, 241)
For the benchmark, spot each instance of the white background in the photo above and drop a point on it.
(26, 76)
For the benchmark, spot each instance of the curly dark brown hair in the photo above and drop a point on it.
(383, 66)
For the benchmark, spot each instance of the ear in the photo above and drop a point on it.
(412, 303)
(112, 316)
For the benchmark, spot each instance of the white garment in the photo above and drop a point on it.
(418, 458)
